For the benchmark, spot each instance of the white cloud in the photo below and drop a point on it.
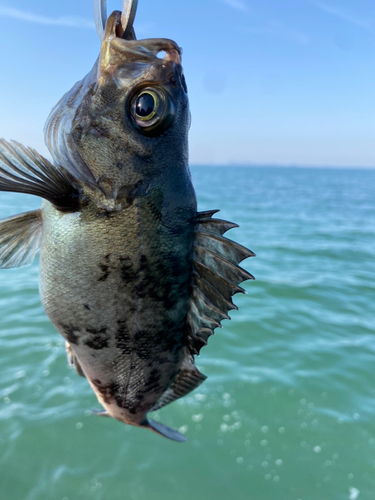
(67, 21)
(237, 4)
(343, 14)
(274, 28)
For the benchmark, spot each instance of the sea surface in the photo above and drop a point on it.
(288, 409)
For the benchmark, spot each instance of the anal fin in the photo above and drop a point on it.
(20, 239)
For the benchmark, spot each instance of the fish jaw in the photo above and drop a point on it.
(115, 50)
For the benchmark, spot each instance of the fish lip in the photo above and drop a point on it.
(145, 50)
(113, 26)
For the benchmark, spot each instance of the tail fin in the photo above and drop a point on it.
(165, 431)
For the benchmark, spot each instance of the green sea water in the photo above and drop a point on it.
(288, 409)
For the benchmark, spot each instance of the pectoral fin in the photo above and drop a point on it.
(20, 239)
(100, 413)
(23, 170)
(73, 360)
(216, 278)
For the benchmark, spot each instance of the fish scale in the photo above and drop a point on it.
(108, 254)
(131, 275)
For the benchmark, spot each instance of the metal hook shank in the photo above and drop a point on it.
(100, 16)
(129, 10)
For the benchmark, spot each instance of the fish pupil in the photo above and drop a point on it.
(145, 105)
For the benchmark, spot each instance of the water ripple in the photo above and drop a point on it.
(288, 410)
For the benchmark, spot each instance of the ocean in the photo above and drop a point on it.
(288, 409)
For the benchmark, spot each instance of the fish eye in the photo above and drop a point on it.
(152, 110)
(146, 105)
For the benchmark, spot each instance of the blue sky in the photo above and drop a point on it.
(281, 82)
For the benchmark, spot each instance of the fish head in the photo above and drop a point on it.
(128, 120)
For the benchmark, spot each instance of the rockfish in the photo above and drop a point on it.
(131, 275)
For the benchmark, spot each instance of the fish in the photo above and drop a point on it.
(133, 277)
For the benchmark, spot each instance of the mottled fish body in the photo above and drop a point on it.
(132, 276)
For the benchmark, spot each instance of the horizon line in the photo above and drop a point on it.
(279, 165)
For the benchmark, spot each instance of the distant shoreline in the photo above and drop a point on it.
(294, 167)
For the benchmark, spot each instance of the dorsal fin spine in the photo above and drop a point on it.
(244, 275)
(216, 278)
(216, 294)
(210, 305)
(232, 286)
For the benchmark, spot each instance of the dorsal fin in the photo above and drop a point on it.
(216, 278)
(187, 379)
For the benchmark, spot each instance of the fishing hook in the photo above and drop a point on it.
(129, 10)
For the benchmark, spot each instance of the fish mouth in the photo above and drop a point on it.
(116, 49)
